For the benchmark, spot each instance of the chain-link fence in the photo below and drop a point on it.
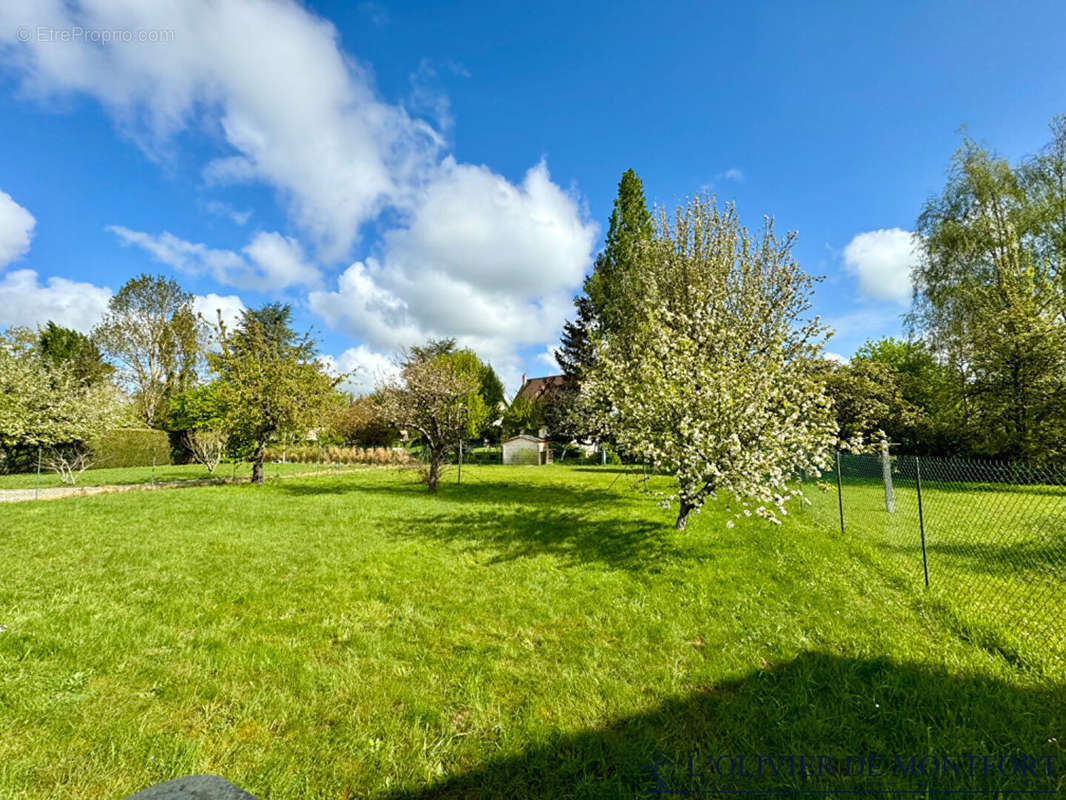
(986, 540)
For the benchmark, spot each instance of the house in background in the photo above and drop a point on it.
(526, 449)
(543, 389)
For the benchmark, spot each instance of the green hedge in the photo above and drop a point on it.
(130, 447)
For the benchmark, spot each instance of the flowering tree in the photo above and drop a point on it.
(716, 381)
(438, 397)
(49, 404)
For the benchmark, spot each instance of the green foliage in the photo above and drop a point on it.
(270, 381)
(200, 407)
(432, 349)
(868, 401)
(130, 447)
(523, 415)
(438, 400)
(933, 425)
(59, 345)
(576, 350)
(151, 331)
(45, 403)
(359, 422)
(991, 296)
(491, 389)
(610, 302)
(468, 366)
(613, 288)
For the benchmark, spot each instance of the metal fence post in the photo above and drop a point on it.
(459, 477)
(153, 469)
(921, 517)
(37, 490)
(886, 476)
(840, 495)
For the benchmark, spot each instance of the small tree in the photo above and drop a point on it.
(68, 461)
(523, 415)
(437, 396)
(715, 381)
(206, 446)
(359, 422)
(45, 404)
(270, 380)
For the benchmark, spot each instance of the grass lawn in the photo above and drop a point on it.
(121, 476)
(996, 554)
(535, 632)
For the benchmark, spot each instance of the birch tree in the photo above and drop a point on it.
(153, 335)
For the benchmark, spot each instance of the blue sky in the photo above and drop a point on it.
(397, 170)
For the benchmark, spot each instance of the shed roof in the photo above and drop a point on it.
(527, 437)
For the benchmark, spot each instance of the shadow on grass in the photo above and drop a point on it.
(521, 520)
(474, 489)
(817, 705)
(996, 560)
(570, 535)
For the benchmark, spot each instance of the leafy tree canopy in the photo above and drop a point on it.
(154, 336)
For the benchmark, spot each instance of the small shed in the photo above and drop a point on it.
(526, 449)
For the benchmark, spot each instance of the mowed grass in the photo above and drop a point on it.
(164, 473)
(996, 555)
(533, 632)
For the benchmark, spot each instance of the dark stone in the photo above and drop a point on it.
(193, 787)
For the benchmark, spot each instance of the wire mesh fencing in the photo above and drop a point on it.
(986, 539)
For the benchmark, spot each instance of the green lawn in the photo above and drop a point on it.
(534, 632)
(120, 476)
(996, 554)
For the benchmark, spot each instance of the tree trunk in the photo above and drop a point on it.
(434, 469)
(257, 463)
(682, 517)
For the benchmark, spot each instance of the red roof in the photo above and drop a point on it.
(542, 388)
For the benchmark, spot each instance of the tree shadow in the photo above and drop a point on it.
(471, 490)
(968, 735)
(520, 520)
(996, 560)
(571, 536)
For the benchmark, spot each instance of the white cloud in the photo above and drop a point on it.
(72, 304)
(367, 369)
(292, 109)
(548, 358)
(481, 259)
(268, 262)
(475, 256)
(839, 359)
(238, 217)
(281, 261)
(882, 261)
(16, 229)
(732, 174)
(208, 306)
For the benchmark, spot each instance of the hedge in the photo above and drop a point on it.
(130, 447)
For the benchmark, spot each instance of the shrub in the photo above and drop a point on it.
(130, 447)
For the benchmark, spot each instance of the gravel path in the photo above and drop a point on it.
(59, 492)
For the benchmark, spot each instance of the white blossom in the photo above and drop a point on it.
(715, 381)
